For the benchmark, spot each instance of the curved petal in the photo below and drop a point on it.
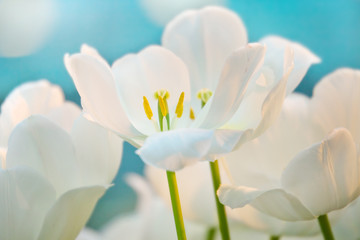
(143, 74)
(64, 115)
(98, 152)
(176, 149)
(262, 222)
(272, 104)
(224, 141)
(274, 202)
(38, 97)
(25, 198)
(95, 83)
(326, 176)
(239, 68)
(303, 59)
(336, 99)
(88, 50)
(41, 145)
(70, 213)
(203, 39)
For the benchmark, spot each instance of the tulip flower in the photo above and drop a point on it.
(156, 79)
(291, 172)
(204, 39)
(53, 178)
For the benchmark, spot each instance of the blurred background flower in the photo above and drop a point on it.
(35, 35)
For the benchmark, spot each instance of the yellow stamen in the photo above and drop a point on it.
(180, 106)
(204, 95)
(192, 114)
(147, 108)
(163, 108)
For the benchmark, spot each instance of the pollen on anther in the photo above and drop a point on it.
(147, 108)
(180, 106)
(192, 114)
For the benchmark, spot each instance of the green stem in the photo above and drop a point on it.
(274, 237)
(325, 227)
(175, 202)
(210, 235)
(215, 173)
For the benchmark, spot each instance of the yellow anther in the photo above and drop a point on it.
(162, 106)
(204, 95)
(162, 93)
(147, 108)
(192, 114)
(180, 106)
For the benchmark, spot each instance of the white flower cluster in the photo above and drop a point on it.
(205, 95)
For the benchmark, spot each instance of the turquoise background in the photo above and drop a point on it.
(329, 28)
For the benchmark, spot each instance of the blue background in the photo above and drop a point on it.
(330, 28)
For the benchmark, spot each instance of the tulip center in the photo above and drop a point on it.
(162, 95)
(204, 95)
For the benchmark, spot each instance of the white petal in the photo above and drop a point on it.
(143, 74)
(88, 234)
(224, 141)
(203, 39)
(25, 198)
(98, 152)
(239, 67)
(176, 149)
(274, 202)
(262, 222)
(65, 115)
(303, 59)
(336, 101)
(94, 82)
(88, 50)
(40, 144)
(142, 188)
(38, 97)
(271, 107)
(325, 177)
(70, 213)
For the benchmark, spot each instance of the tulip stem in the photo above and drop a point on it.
(215, 173)
(210, 235)
(274, 237)
(176, 207)
(325, 227)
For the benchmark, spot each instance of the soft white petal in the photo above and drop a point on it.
(224, 141)
(25, 198)
(70, 213)
(275, 202)
(325, 177)
(262, 222)
(142, 188)
(260, 162)
(38, 97)
(203, 39)
(95, 83)
(336, 101)
(176, 149)
(41, 145)
(239, 68)
(88, 234)
(271, 105)
(303, 59)
(64, 115)
(143, 74)
(98, 152)
(88, 50)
